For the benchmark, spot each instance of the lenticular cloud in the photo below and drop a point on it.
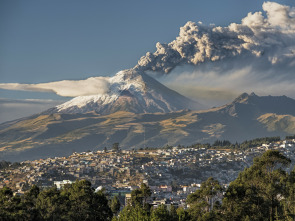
(271, 36)
(66, 88)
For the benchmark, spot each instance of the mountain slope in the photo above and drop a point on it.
(247, 117)
(131, 91)
(254, 106)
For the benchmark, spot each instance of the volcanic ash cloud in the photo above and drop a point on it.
(271, 36)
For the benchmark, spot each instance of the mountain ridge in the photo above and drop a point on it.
(60, 134)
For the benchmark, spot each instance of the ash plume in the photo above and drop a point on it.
(270, 36)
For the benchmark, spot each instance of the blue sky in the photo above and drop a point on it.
(45, 41)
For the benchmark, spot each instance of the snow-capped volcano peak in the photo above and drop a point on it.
(129, 90)
(127, 80)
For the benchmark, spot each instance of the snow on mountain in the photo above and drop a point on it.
(129, 90)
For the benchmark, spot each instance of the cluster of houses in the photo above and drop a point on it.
(171, 174)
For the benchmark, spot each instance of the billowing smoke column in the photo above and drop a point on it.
(272, 35)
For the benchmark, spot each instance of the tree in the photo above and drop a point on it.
(204, 198)
(160, 214)
(136, 197)
(174, 185)
(140, 196)
(182, 214)
(77, 201)
(11, 207)
(115, 147)
(102, 211)
(289, 200)
(257, 191)
(29, 201)
(133, 213)
(6, 195)
(51, 205)
(115, 205)
(145, 193)
(173, 213)
(80, 197)
(4, 164)
(85, 204)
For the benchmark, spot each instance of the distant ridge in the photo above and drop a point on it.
(257, 105)
(57, 134)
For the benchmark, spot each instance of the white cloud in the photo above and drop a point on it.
(66, 88)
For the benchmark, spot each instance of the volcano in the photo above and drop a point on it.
(129, 90)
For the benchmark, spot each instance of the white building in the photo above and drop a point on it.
(60, 184)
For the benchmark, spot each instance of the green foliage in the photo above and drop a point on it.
(258, 190)
(77, 201)
(161, 213)
(13, 208)
(291, 137)
(199, 145)
(173, 213)
(115, 205)
(258, 142)
(84, 204)
(6, 164)
(29, 201)
(226, 144)
(202, 201)
(51, 205)
(6, 205)
(289, 201)
(133, 213)
(140, 196)
(182, 214)
(223, 143)
(115, 147)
